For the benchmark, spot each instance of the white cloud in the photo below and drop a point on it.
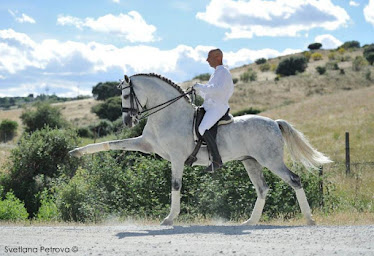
(328, 41)
(23, 18)
(353, 3)
(369, 12)
(116, 1)
(246, 19)
(63, 66)
(131, 26)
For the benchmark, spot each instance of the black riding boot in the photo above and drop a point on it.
(213, 149)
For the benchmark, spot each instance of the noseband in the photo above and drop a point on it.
(135, 105)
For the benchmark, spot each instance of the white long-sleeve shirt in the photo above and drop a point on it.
(217, 92)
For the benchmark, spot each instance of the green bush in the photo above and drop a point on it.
(265, 67)
(8, 129)
(85, 132)
(350, 44)
(103, 91)
(358, 63)
(103, 128)
(246, 111)
(321, 70)
(250, 75)
(332, 65)
(12, 209)
(44, 114)
(48, 210)
(235, 80)
(314, 46)
(203, 77)
(260, 61)
(111, 109)
(369, 53)
(289, 66)
(39, 158)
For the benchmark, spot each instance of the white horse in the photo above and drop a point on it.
(256, 141)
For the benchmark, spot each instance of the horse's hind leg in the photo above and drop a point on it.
(294, 181)
(256, 175)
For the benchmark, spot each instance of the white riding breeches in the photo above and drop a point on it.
(210, 118)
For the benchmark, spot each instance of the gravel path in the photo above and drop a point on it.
(187, 240)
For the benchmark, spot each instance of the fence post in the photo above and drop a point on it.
(347, 155)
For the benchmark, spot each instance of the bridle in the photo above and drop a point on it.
(136, 109)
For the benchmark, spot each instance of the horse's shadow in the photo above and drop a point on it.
(177, 230)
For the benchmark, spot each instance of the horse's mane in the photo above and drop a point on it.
(168, 81)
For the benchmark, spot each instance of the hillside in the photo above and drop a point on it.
(265, 93)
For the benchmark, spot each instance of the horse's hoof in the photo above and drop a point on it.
(311, 223)
(249, 223)
(167, 222)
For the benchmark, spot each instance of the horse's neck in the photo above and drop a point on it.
(159, 92)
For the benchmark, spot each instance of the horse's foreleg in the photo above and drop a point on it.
(133, 144)
(256, 175)
(176, 185)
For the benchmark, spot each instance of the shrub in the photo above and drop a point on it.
(307, 55)
(331, 56)
(260, 61)
(368, 75)
(358, 63)
(250, 75)
(203, 77)
(341, 50)
(314, 46)
(48, 210)
(85, 132)
(321, 70)
(316, 56)
(39, 158)
(332, 65)
(350, 44)
(8, 129)
(247, 111)
(111, 109)
(44, 114)
(11, 208)
(265, 67)
(291, 65)
(235, 80)
(369, 53)
(103, 91)
(103, 128)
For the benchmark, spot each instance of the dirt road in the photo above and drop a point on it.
(186, 240)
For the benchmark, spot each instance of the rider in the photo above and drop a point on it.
(216, 94)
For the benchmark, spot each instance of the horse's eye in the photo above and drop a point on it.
(126, 96)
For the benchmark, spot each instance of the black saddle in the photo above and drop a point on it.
(199, 115)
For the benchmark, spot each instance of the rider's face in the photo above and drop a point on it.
(213, 59)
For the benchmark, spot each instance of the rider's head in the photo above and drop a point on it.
(215, 58)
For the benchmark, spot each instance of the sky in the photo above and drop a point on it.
(65, 47)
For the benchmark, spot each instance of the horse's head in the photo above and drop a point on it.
(131, 104)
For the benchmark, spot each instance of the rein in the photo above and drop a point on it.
(135, 104)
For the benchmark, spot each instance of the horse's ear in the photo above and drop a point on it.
(127, 79)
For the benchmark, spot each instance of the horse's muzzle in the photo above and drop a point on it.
(127, 120)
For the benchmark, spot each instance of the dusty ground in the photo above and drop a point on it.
(130, 239)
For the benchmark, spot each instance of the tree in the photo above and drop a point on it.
(7, 129)
(350, 44)
(39, 158)
(260, 61)
(314, 46)
(103, 91)
(369, 53)
(45, 114)
(111, 109)
(291, 65)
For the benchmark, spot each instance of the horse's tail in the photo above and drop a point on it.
(299, 147)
